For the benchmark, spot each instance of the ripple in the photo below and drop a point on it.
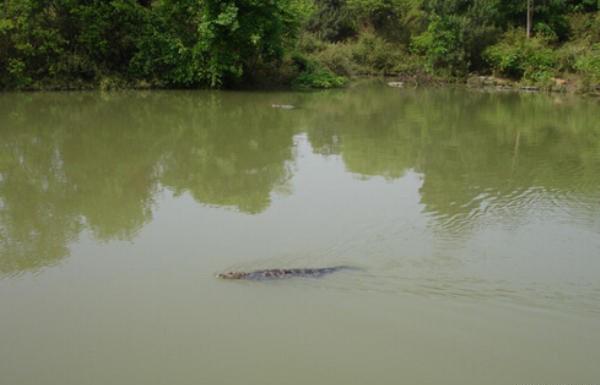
(518, 206)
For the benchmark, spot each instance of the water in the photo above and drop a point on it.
(475, 216)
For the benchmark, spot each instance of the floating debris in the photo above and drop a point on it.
(283, 106)
(396, 84)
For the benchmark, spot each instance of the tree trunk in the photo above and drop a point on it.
(529, 12)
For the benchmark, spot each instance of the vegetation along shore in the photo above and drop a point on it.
(91, 44)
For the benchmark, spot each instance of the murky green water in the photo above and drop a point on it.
(475, 216)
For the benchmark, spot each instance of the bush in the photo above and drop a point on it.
(392, 19)
(373, 55)
(589, 65)
(331, 21)
(312, 74)
(457, 34)
(178, 43)
(337, 57)
(442, 45)
(319, 79)
(568, 55)
(30, 43)
(518, 57)
(309, 43)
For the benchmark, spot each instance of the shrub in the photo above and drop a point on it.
(569, 54)
(442, 45)
(518, 57)
(312, 74)
(388, 17)
(331, 21)
(337, 57)
(457, 34)
(319, 79)
(589, 65)
(308, 43)
(373, 55)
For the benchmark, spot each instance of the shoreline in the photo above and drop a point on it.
(572, 85)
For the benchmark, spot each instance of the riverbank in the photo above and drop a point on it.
(571, 85)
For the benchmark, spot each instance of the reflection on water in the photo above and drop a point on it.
(98, 161)
(478, 152)
(227, 152)
(88, 160)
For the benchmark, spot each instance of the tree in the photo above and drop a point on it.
(235, 34)
(458, 32)
(529, 15)
(332, 20)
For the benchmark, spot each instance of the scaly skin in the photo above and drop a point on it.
(282, 273)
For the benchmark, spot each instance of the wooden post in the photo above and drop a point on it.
(529, 12)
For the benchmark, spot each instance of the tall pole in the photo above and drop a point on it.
(529, 6)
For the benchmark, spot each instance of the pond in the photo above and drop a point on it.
(473, 217)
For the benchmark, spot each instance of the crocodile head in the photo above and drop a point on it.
(232, 275)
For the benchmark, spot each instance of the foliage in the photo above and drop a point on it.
(516, 56)
(338, 58)
(457, 34)
(331, 21)
(180, 43)
(589, 65)
(549, 16)
(369, 54)
(233, 34)
(373, 55)
(319, 79)
(442, 45)
(211, 43)
(394, 19)
(582, 54)
(312, 74)
(29, 47)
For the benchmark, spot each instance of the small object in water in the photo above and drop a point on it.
(396, 84)
(529, 88)
(503, 88)
(283, 273)
(283, 106)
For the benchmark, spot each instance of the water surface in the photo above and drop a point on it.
(475, 216)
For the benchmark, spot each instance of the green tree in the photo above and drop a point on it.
(517, 56)
(392, 19)
(332, 20)
(544, 16)
(458, 32)
(233, 35)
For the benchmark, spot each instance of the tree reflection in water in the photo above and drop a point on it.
(96, 161)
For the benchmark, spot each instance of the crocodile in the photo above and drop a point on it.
(283, 273)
